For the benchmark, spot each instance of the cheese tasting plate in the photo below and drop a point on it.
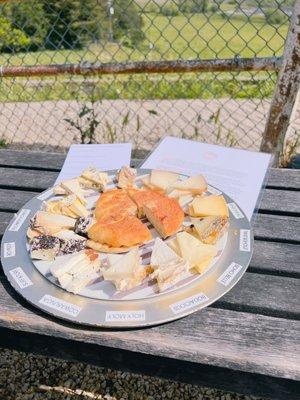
(101, 303)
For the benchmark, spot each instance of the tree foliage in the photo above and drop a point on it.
(68, 24)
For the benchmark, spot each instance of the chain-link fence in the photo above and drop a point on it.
(53, 111)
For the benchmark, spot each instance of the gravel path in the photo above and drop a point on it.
(28, 377)
(224, 121)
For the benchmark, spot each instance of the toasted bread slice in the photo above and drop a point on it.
(165, 215)
(142, 197)
(104, 248)
(114, 202)
(120, 231)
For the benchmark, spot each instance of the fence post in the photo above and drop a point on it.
(287, 86)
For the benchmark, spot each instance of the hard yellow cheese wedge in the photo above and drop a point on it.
(198, 255)
(162, 179)
(195, 184)
(204, 206)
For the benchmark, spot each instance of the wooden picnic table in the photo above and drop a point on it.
(247, 342)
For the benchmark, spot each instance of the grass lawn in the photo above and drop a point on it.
(169, 38)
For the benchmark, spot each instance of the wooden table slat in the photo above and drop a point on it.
(27, 179)
(212, 336)
(277, 228)
(276, 257)
(246, 342)
(279, 178)
(276, 201)
(280, 201)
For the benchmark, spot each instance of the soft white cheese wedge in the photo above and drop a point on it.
(78, 271)
(121, 266)
(198, 254)
(78, 283)
(126, 177)
(125, 271)
(69, 205)
(72, 186)
(49, 224)
(168, 267)
(97, 179)
(58, 268)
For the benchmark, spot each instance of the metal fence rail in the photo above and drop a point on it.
(98, 71)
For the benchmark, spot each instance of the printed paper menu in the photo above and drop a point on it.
(239, 173)
(102, 156)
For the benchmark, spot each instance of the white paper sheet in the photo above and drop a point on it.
(239, 173)
(102, 156)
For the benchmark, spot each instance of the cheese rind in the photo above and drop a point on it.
(210, 229)
(213, 205)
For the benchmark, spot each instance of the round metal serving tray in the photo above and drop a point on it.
(125, 312)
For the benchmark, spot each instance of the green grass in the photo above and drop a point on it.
(180, 37)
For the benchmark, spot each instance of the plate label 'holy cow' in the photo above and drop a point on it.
(124, 316)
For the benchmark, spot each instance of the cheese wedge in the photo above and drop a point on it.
(70, 242)
(196, 253)
(94, 179)
(70, 206)
(72, 187)
(44, 247)
(162, 179)
(81, 273)
(60, 266)
(168, 267)
(59, 190)
(162, 253)
(184, 200)
(125, 271)
(48, 224)
(121, 266)
(146, 182)
(126, 177)
(210, 229)
(195, 184)
(178, 193)
(212, 205)
(174, 246)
